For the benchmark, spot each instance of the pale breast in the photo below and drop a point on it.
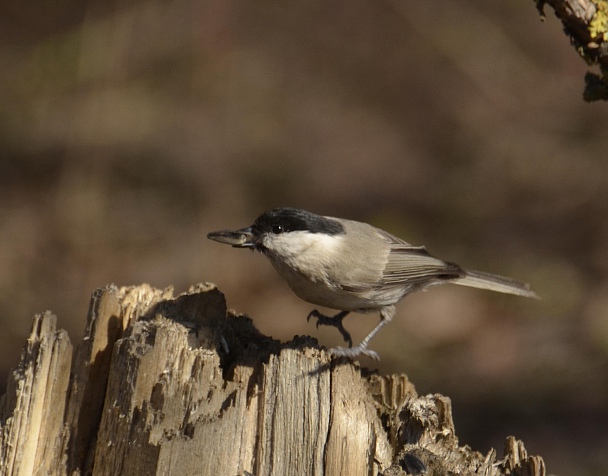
(333, 271)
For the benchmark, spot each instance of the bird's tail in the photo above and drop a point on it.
(493, 282)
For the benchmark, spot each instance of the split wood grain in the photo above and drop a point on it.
(165, 385)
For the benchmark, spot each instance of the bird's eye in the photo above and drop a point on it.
(277, 229)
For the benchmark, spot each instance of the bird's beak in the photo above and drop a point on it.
(239, 239)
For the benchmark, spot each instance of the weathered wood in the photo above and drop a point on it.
(31, 410)
(164, 385)
(111, 311)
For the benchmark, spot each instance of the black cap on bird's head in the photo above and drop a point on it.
(277, 221)
(284, 220)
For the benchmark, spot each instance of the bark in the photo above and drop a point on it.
(586, 24)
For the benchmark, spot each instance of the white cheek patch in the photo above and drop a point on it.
(308, 255)
(312, 245)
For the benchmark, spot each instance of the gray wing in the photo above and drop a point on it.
(413, 265)
(395, 266)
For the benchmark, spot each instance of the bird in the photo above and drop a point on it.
(351, 266)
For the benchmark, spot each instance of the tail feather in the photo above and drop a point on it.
(493, 282)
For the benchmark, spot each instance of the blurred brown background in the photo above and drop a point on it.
(128, 130)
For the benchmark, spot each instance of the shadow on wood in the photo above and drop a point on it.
(179, 385)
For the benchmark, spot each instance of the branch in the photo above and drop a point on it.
(586, 24)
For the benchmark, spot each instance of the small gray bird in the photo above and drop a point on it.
(352, 266)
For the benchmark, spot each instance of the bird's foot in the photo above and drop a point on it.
(334, 321)
(354, 352)
(362, 349)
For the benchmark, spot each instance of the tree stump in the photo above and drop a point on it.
(179, 385)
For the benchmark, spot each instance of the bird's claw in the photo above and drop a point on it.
(334, 321)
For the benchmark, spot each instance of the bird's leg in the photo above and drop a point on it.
(335, 321)
(386, 315)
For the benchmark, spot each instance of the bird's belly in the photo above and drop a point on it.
(323, 293)
(332, 298)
